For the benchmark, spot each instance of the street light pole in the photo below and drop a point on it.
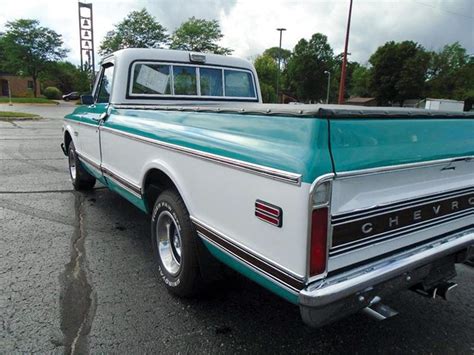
(344, 59)
(9, 94)
(329, 84)
(279, 60)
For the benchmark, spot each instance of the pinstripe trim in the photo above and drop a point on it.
(270, 270)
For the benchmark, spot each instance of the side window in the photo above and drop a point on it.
(184, 80)
(105, 87)
(211, 81)
(151, 79)
(238, 84)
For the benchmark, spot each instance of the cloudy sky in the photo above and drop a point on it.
(249, 26)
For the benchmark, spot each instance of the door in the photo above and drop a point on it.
(89, 134)
(4, 88)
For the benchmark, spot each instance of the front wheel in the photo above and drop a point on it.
(80, 178)
(174, 242)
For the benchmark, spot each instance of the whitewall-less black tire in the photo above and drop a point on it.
(174, 241)
(80, 178)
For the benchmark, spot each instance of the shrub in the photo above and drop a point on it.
(52, 93)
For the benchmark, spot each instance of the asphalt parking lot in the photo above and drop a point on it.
(77, 276)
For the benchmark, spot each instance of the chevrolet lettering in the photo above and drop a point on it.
(331, 207)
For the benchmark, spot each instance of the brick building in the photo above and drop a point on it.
(20, 86)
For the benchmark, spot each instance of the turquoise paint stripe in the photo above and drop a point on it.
(93, 171)
(138, 202)
(286, 143)
(368, 143)
(88, 114)
(249, 272)
(299, 145)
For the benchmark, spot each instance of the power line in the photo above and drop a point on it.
(445, 10)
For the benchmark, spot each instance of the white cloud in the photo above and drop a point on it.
(250, 26)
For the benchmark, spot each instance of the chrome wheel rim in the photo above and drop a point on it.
(72, 165)
(169, 243)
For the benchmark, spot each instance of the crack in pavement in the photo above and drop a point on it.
(42, 214)
(44, 191)
(36, 192)
(77, 298)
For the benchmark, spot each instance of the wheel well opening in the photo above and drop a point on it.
(155, 183)
(67, 140)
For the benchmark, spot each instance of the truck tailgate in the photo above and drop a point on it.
(398, 182)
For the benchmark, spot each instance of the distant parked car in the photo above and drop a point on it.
(72, 96)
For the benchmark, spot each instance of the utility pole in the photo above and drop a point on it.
(342, 83)
(279, 60)
(328, 73)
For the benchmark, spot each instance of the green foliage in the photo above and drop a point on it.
(451, 73)
(199, 35)
(277, 52)
(27, 100)
(267, 69)
(360, 82)
(66, 77)
(138, 30)
(306, 66)
(10, 114)
(52, 93)
(28, 48)
(398, 72)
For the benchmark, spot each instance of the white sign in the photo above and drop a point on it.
(152, 79)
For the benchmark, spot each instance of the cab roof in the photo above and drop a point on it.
(169, 55)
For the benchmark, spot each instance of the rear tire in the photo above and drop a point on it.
(174, 241)
(80, 178)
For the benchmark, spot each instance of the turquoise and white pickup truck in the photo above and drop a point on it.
(330, 207)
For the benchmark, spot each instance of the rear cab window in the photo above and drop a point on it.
(155, 80)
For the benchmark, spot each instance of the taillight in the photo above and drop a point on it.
(319, 236)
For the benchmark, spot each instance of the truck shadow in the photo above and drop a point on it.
(240, 316)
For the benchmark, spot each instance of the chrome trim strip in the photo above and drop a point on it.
(311, 207)
(256, 270)
(123, 186)
(271, 173)
(374, 211)
(348, 247)
(399, 203)
(124, 183)
(335, 288)
(83, 123)
(88, 161)
(398, 167)
(273, 270)
(131, 187)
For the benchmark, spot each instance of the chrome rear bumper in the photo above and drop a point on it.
(334, 297)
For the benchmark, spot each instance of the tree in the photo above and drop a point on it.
(66, 77)
(306, 67)
(277, 52)
(29, 48)
(360, 82)
(199, 35)
(398, 72)
(267, 68)
(450, 73)
(138, 30)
